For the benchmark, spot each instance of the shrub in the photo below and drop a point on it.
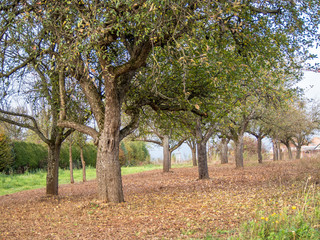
(6, 156)
(135, 153)
(29, 156)
(89, 155)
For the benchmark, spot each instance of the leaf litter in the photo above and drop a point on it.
(158, 205)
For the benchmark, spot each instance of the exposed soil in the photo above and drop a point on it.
(158, 206)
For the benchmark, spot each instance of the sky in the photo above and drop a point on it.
(311, 85)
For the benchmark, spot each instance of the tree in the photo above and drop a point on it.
(193, 146)
(115, 38)
(303, 127)
(291, 124)
(157, 128)
(81, 142)
(259, 130)
(224, 149)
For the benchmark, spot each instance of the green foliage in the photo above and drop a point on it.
(29, 156)
(89, 155)
(133, 153)
(6, 157)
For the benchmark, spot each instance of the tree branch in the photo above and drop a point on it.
(22, 65)
(177, 145)
(80, 128)
(130, 127)
(148, 140)
(34, 128)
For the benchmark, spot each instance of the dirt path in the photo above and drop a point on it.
(158, 206)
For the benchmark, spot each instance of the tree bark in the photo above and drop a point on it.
(71, 163)
(108, 164)
(83, 163)
(202, 160)
(239, 151)
(280, 154)
(298, 155)
(259, 148)
(166, 154)
(194, 156)
(224, 151)
(275, 150)
(287, 143)
(53, 169)
(202, 152)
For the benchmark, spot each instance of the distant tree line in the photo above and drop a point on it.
(21, 156)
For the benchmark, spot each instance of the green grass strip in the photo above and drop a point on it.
(19, 182)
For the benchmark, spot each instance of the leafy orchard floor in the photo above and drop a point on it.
(162, 206)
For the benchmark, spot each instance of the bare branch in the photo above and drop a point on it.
(80, 128)
(130, 127)
(148, 140)
(177, 145)
(33, 127)
(22, 65)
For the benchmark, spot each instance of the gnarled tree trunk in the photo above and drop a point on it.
(194, 156)
(298, 155)
(202, 152)
(280, 153)
(239, 151)
(287, 143)
(224, 151)
(166, 153)
(275, 150)
(202, 160)
(53, 169)
(108, 164)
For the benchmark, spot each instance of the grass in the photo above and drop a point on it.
(19, 182)
(300, 220)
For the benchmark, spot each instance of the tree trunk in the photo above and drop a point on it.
(239, 151)
(259, 148)
(108, 164)
(224, 151)
(194, 156)
(202, 153)
(280, 154)
(166, 154)
(275, 150)
(298, 156)
(202, 160)
(53, 169)
(83, 163)
(289, 150)
(71, 163)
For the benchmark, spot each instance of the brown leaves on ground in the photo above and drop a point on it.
(158, 206)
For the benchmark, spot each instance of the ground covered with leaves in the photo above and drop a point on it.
(160, 205)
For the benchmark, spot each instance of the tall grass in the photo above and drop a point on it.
(300, 221)
(19, 182)
(298, 217)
